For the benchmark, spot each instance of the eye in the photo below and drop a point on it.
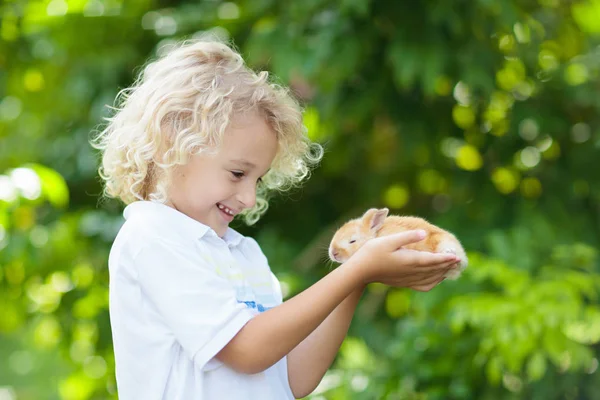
(237, 174)
(352, 241)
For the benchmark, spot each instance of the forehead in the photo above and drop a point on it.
(249, 139)
(351, 230)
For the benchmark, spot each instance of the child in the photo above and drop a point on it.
(195, 311)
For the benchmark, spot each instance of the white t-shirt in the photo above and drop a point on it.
(178, 295)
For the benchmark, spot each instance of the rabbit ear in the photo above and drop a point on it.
(374, 218)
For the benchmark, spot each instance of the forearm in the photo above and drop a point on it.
(308, 362)
(271, 335)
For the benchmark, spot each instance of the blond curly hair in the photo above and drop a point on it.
(180, 105)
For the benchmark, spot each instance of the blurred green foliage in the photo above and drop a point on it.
(482, 116)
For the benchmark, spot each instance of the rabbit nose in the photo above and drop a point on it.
(332, 254)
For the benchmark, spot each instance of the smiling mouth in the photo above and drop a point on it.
(226, 210)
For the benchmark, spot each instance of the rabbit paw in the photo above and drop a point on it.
(455, 249)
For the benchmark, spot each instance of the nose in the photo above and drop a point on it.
(247, 196)
(333, 254)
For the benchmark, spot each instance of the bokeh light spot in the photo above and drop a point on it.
(10, 108)
(531, 188)
(47, 333)
(396, 196)
(468, 158)
(33, 80)
(576, 74)
(505, 180)
(528, 129)
(581, 132)
(463, 116)
(228, 10)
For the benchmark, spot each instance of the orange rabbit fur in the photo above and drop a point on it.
(375, 222)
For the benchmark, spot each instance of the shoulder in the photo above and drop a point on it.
(252, 244)
(148, 242)
(155, 223)
(138, 232)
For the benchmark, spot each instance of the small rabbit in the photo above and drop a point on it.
(353, 234)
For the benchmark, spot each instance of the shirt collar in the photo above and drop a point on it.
(174, 218)
(232, 237)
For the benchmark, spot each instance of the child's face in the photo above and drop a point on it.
(209, 182)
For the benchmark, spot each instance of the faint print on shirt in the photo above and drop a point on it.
(255, 306)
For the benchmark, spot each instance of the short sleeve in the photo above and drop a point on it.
(277, 288)
(197, 304)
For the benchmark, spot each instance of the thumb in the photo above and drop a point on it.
(395, 241)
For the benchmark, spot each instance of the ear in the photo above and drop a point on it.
(374, 218)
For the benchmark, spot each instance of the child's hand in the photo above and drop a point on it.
(383, 260)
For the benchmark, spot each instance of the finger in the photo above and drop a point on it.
(428, 270)
(425, 287)
(397, 240)
(425, 270)
(428, 279)
(425, 258)
(439, 275)
(420, 274)
(419, 280)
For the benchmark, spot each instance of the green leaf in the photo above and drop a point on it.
(54, 187)
(405, 61)
(493, 370)
(397, 303)
(536, 366)
(354, 354)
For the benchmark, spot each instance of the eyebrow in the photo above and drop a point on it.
(244, 163)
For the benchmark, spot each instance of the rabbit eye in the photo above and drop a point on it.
(352, 241)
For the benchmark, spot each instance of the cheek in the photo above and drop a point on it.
(213, 190)
(353, 248)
